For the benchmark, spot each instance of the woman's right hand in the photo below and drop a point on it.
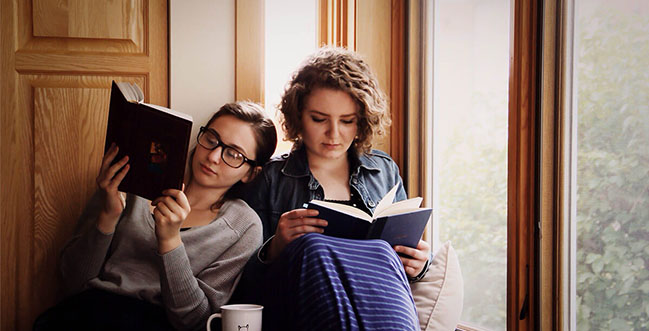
(109, 178)
(294, 224)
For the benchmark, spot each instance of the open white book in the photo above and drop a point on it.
(399, 223)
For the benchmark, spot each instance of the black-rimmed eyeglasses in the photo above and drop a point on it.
(209, 139)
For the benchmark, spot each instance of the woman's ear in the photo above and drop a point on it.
(251, 174)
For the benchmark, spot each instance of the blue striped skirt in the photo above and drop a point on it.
(327, 283)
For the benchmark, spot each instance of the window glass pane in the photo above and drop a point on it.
(471, 70)
(611, 100)
(290, 30)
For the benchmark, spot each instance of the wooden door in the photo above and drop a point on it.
(58, 59)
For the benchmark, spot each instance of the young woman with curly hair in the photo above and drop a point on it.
(332, 110)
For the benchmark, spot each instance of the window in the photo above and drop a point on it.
(608, 105)
(470, 105)
(290, 36)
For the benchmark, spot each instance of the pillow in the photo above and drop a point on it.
(440, 294)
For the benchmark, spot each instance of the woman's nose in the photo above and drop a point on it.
(332, 129)
(215, 155)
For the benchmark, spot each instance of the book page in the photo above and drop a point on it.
(345, 209)
(386, 201)
(401, 207)
(131, 92)
(138, 92)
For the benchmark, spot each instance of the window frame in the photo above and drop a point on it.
(551, 166)
(249, 50)
(566, 163)
(523, 222)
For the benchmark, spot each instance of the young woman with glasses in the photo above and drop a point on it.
(169, 263)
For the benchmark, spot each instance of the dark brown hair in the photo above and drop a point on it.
(339, 69)
(264, 131)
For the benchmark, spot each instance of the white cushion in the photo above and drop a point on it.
(440, 294)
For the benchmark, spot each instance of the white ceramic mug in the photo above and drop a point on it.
(238, 318)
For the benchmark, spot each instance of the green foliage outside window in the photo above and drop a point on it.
(473, 207)
(612, 86)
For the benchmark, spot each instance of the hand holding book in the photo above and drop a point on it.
(291, 225)
(110, 176)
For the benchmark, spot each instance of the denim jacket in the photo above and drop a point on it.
(286, 183)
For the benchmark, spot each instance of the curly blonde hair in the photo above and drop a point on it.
(339, 69)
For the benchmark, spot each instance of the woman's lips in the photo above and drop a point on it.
(331, 146)
(207, 170)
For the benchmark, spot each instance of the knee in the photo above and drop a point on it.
(383, 245)
(310, 241)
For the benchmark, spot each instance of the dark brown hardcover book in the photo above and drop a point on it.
(155, 138)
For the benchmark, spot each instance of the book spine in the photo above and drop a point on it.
(376, 229)
(119, 129)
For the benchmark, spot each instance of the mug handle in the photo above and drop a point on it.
(209, 320)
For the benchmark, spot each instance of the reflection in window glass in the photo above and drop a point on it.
(471, 70)
(290, 30)
(611, 101)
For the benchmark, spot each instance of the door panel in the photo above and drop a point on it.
(89, 19)
(58, 60)
(84, 25)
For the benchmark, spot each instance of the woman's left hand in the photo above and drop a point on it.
(417, 257)
(170, 211)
